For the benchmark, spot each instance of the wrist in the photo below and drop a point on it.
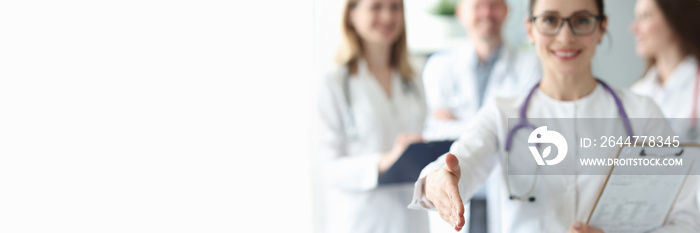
(385, 162)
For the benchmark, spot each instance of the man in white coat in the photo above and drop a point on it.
(458, 82)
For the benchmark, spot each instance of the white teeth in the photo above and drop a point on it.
(562, 54)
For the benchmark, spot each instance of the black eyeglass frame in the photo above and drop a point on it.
(567, 20)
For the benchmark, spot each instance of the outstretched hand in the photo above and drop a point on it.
(441, 189)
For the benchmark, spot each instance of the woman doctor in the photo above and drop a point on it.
(371, 108)
(667, 36)
(565, 34)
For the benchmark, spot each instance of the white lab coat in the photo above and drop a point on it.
(355, 202)
(450, 82)
(675, 97)
(561, 199)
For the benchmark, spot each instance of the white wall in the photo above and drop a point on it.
(616, 60)
(155, 116)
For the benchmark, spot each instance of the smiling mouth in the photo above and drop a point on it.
(566, 54)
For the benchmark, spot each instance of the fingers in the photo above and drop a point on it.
(451, 202)
(593, 229)
(451, 210)
(445, 214)
(458, 215)
(576, 228)
(441, 188)
(580, 227)
(452, 165)
(456, 206)
(443, 206)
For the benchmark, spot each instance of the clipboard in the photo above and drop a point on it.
(416, 156)
(626, 204)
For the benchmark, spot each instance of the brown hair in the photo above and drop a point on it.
(599, 3)
(351, 49)
(683, 16)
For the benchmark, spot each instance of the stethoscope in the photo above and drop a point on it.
(692, 131)
(524, 124)
(350, 127)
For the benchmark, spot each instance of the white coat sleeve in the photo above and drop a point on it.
(341, 170)
(476, 150)
(684, 215)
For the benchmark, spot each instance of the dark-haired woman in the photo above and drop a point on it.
(565, 34)
(668, 36)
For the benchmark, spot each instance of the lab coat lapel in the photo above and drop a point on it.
(680, 83)
(381, 104)
(465, 73)
(500, 71)
(683, 75)
(648, 83)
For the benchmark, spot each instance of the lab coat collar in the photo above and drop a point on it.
(465, 59)
(464, 68)
(364, 73)
(549, 100)
(490, 61)
(363, 70)
(684, 74)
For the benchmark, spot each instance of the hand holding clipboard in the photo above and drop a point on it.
(408, 167)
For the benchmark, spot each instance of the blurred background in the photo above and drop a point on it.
(432, 27)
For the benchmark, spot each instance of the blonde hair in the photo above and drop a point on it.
(351, 48)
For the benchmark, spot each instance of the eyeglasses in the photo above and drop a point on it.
(581, 24)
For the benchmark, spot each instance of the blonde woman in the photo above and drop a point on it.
(371, 108)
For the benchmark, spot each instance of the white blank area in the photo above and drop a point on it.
(155, 116)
